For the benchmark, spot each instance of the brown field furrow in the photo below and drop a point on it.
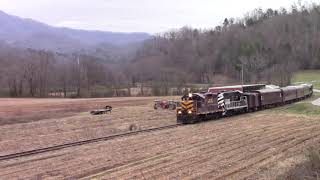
(41, 140)
(58, 107)
(70, 124)
(33, 160)
(136, 165)
(148, 143)
(203, 145)
(39, 110)
(189, 144)
(291, 155)
(240, 159)
(44, 138)
(227, 152)
(62, 173)
(137, 146)
(235, 161)
(257, 159)
(230, 148)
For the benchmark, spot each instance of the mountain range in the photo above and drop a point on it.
(27, 33)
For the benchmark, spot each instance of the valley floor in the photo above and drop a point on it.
(261, 145)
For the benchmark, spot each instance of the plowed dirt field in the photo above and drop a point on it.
(258, 145)
(27, 124)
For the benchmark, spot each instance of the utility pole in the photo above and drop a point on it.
(242, 73)
(79, 76)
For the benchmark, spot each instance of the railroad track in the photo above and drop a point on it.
(79, 143)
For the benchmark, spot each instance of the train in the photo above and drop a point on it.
(229, 100)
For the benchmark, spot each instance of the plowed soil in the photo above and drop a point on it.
(13, 111)
(249, 146)
(71, 121)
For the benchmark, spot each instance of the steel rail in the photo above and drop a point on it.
(79, 143)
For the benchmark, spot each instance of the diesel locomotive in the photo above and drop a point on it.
(229, 100)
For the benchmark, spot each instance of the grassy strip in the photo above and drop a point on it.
(304, 107)
(309, 76)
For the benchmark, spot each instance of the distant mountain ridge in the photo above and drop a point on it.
(29, 33)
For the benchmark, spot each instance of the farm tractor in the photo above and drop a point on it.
(166, 104)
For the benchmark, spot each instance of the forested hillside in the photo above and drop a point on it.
(268, 45)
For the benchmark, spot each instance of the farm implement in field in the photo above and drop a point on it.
(166, 104)
(106, 110)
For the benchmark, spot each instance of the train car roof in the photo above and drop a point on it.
(309, 85)
(210, 93)
(250, 92)
(233, 92)
(239, 86)
(299, 86)
(253, 85)
(289, 88)
(247, 87)
(200, 95)
(271, 86)
(268, 90)
(304, 84)
(220, 87)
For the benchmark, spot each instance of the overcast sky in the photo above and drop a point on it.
(136, 15)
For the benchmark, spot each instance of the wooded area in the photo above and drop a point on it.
(268, 45)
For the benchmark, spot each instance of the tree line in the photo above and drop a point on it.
(268, 46)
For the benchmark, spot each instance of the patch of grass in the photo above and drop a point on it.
(315, 95)
(303, 108)
(308, 76)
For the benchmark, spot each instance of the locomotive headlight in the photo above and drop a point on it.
(179, 112)
(190, 95)
(189, 112)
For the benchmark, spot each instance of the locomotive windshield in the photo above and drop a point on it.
(193, 97)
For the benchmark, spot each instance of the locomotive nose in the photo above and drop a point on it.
(187, 106)
(186, 113)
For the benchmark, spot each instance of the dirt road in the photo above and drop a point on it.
(246, 146)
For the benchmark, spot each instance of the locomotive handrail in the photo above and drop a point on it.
(240, 103)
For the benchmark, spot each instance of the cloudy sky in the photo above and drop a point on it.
(136, 15)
